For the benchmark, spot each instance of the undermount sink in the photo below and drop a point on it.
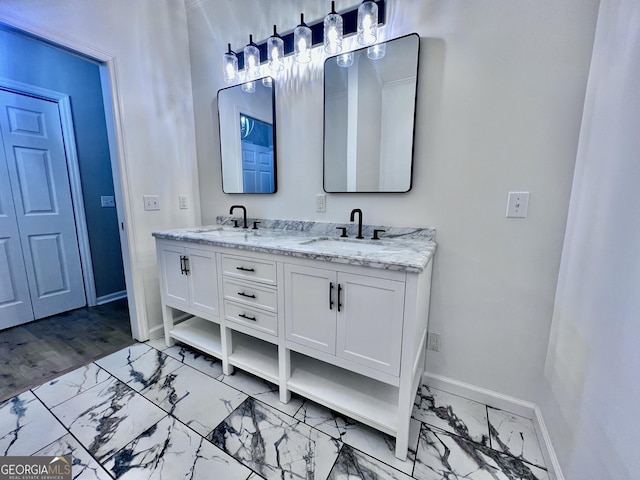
(337, 244)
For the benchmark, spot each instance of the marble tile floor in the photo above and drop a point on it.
(151, 412)
(35, 352)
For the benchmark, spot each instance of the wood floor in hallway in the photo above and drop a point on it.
(33, 353)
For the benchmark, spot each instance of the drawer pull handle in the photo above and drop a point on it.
(246, 269)
(330, 295)
(253, 319)
(242, 294)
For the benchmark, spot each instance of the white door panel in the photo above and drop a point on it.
(37, 172)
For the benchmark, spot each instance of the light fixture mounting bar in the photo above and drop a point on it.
(350, 25)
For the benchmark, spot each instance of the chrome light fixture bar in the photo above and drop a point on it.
(350, 26)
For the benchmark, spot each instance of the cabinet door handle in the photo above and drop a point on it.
(253, 319)
(246, 269)
(182, 268)
(186, 265)
(339, 292)
(242, 294)
(330, 295)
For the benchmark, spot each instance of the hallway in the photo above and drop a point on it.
(33, 353)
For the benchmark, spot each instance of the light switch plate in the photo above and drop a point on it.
(107, 201)
(183, 202)
(321, 203)
(151, 202)
(517, 204)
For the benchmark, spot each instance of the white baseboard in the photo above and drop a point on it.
(503, 402)
(112, 297)
(156, 332)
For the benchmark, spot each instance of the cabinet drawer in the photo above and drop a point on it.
(250, 293)
(251, 317)
(249, 268)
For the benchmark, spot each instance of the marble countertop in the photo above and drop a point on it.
(400, 248)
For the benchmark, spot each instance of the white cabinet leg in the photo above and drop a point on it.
(284, 369)
(167, 321)
(226, 338)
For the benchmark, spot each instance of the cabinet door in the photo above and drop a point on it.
(369, 324)
(174, 283)
(310, 319)
(203, 280)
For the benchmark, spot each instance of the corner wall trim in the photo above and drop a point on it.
(503, 402)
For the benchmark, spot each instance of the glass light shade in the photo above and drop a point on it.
(267, 81)
(376, 52)
(251, 60)
(230, 66)
(249, 87)
(275, 51)
(302, 42)
(345, 59)
(367, 23)
(333, 31)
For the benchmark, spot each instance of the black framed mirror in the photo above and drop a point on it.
(369, 117)
(247, 120)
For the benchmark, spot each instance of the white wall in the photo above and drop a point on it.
(501, 92)
(149, 45)
(592, 375)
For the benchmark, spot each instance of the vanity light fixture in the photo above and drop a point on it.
(230, 65)
(367, 23)
(302, 42)
(328, 31)
(275, 51)
(377, 51)
(345, 59)
(333, 31)
(251, 60)
(267, 81)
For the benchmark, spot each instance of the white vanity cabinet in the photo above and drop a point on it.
(349, 334)
(355, 318)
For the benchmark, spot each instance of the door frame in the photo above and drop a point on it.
(73, 169)
(134, 278)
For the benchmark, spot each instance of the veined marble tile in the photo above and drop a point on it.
(63, 388)
(26, 426)
(194, 398)
(362, 437)
(515, 435)
(262, 390)
(83, 467)
(170, 451)
(107, 416)
(454, 414)
(198, 360)
(442, 455)
(139, 366)
(354, 465)
(275, 445)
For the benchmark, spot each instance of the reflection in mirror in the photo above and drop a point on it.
(246, 115)
(369, 116)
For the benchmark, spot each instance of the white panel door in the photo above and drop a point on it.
(369, 324)
(15, 302)
(310, 310)
(37, 167)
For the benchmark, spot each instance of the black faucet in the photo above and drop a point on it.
(353, 214)
(244, 213)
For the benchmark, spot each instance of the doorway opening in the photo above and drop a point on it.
(106, 258)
